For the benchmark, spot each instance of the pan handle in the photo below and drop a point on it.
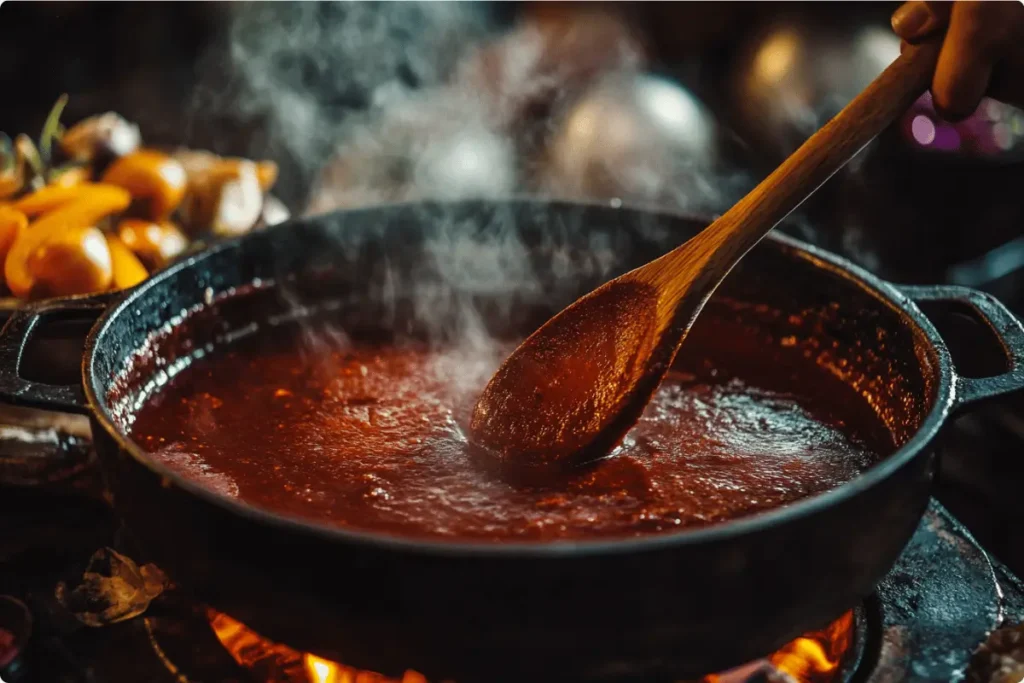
(16, 335)
(1003, 324)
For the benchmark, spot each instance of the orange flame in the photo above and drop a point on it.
(321, 670)
(814, 658)
(276, 663)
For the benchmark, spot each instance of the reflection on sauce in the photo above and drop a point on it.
(371, 438)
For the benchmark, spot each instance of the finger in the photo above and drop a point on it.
(942, 9)
(918, 19)
(968, 54)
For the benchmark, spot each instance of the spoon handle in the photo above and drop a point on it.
(829, 149)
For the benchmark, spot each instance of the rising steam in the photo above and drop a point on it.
(366, 103)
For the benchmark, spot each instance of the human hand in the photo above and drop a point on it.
(982, 50)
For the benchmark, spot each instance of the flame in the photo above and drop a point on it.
(276, 663)
(816, 656)
(813, 658)
(321, 670)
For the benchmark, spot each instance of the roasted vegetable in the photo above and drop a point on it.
(12, 225)
(58, 194)
(25, 166)
(266, 172)
(20, 165)
(128, 270)
(156, 244)
(273, 211)
(28, 155)
(10, 184)
(68, 176)
(197, 163)
(11, 172)
(55, 196)
(153, 177)
(72, 261)
(105, 135)
(225, 199)
(81, 213)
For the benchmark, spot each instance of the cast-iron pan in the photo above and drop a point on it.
(663, 607)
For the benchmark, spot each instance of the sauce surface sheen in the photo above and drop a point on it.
(372, 437)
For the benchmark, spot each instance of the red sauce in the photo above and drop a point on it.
(373, 438)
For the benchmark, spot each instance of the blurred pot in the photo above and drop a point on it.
(432, 144)
(637, 137)
(797, 72)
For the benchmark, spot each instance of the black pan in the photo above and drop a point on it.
(664, 607)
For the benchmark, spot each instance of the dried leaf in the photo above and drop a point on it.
(113, 588)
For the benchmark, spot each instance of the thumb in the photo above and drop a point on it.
(918, 19)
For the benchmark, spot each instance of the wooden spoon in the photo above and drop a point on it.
(573, 389)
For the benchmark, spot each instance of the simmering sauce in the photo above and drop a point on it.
(372, 437)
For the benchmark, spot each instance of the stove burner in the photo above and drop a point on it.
(15, 631)
(826, 656)
(925, 622)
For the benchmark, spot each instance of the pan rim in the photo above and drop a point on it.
(885, 292)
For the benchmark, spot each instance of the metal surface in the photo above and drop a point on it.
(541, 611)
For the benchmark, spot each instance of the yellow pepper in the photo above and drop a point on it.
(266, 172)
(128, 271)
(10, 184)
(81, 213)
(154, 243)
(12, 225)
(70, 177)
(73, 261)
(153, 177)
(52, 197)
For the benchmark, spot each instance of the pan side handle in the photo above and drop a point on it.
(15, 338)
(1003, 325)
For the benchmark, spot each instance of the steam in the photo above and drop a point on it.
(367, 103)
(297, 77)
